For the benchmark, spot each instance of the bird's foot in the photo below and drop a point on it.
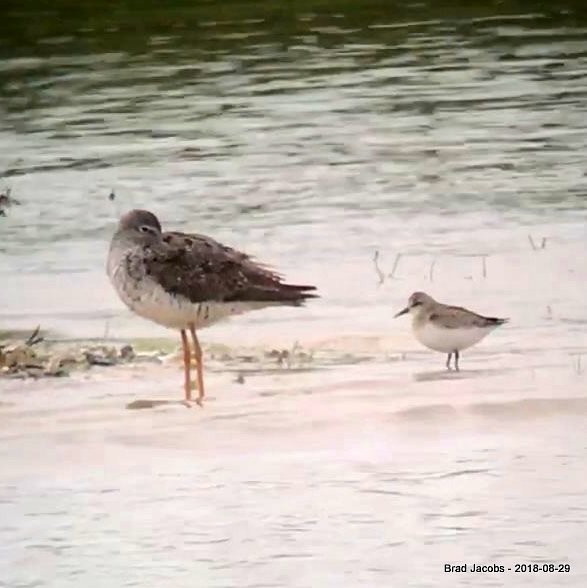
(189, 403)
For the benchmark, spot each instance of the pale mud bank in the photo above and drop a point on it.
(302, 398)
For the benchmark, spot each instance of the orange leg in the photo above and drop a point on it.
(187, 384)
(199, 365)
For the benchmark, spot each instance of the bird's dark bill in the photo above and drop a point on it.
(404, 311)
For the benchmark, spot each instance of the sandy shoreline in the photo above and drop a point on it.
(317, 390)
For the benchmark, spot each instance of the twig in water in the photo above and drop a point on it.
(380, 274)
(431, 271)
(533, 243)
(577, 364)
(112, 195)
(484, 265)
(395, 264)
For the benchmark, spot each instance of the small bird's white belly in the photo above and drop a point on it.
(149, 300)
(449, 340)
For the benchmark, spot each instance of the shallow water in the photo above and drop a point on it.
(311, 137)
(370, 475)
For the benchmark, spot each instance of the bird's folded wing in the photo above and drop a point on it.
(456, 317)
(201, 269)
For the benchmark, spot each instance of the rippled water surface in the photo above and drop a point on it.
(452, 140)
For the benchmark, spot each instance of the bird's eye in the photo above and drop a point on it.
(416, 303)
(145, 229)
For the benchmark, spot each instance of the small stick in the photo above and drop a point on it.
(532, 244)
(34, 337)
(395, 264)
(431, 270)
(380, 274)
(543, 243)
(484, 265)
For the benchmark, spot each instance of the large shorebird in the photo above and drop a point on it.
(188, 281)
(448, 329)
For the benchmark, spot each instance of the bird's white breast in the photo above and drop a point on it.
(448, 340)
(144, 296)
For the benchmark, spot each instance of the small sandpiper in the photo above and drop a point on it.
(448, 329)
(188, 282)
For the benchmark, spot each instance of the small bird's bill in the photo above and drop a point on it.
(404, 311)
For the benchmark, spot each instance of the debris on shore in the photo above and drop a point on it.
(36, 357)
(39, 356)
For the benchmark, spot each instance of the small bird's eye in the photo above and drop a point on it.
(416, 303)
(145, 229)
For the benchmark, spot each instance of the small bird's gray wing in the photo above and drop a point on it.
(457, 317)
(202, 269)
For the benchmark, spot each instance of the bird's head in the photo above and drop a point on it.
(139, 226)
(416, 302)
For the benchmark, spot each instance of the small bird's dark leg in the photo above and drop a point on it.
(186, 365)
(457, 361)
(448, 361)
(198, 355)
